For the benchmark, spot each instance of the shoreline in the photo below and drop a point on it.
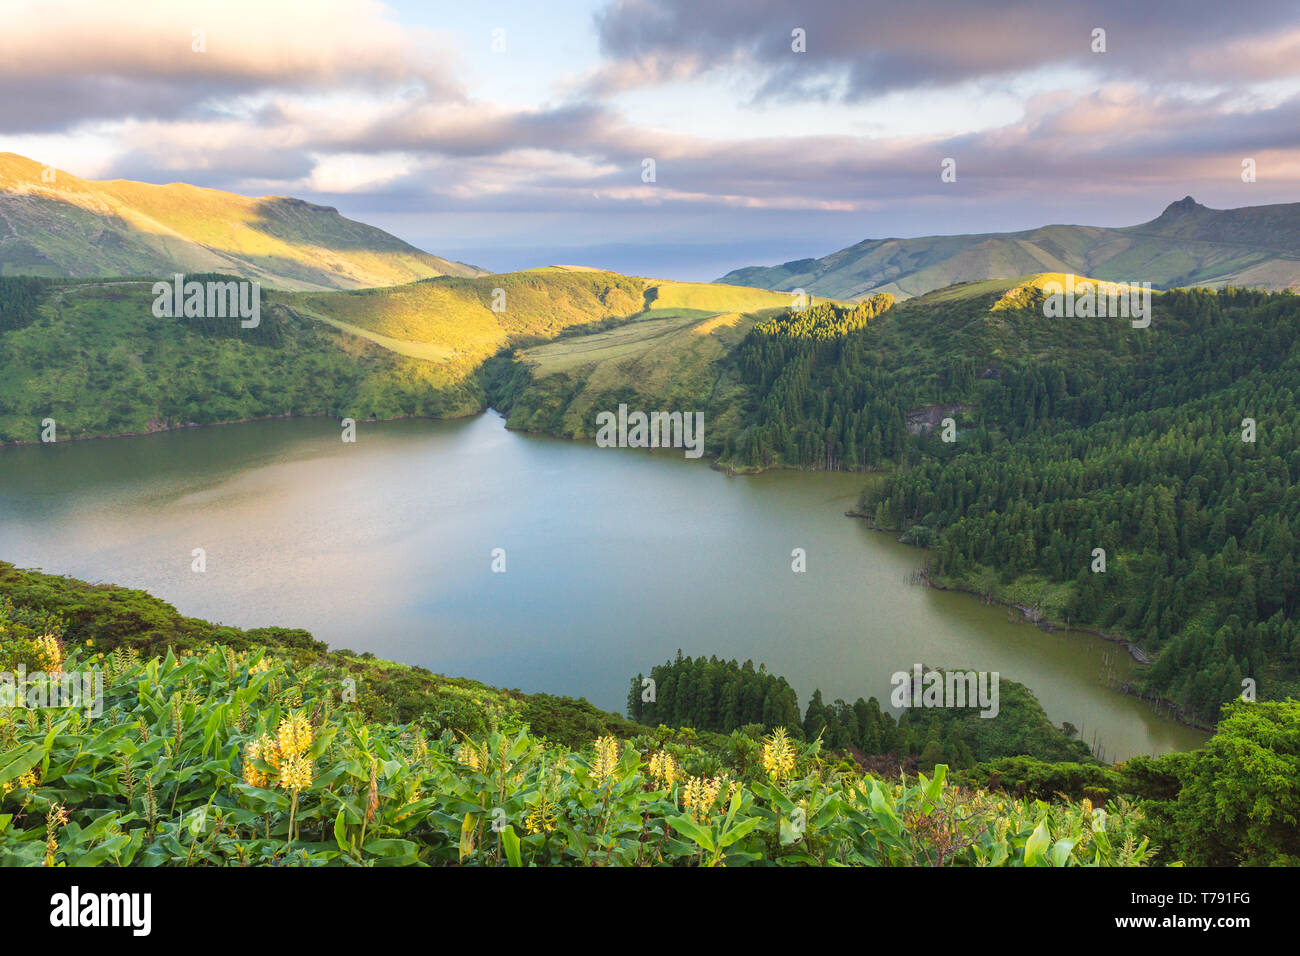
(1139, 656)
(284, 416)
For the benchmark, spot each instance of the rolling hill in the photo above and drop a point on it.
(1186, 245)
(92, 355)
(54, 224)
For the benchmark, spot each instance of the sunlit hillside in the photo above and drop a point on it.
(54, 224)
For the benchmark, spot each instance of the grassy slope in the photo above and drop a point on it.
(82, 228)
(671, 363)
(671, 357)
(457, 315)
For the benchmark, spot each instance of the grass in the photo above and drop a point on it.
(713, 298)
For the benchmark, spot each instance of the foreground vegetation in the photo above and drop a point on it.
(213, 751)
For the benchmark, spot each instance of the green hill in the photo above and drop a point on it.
(92, 356)
(54, 224)
(1188, 244)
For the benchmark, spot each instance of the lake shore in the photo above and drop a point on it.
(285, 416)
(1030, 615)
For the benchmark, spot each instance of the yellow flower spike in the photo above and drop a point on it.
(663, 770)
(268, 751)
(606, 758)
(51, 653)
(295, 773)
(699, 795)
(252, 776)
(468, 756)
(294, 735)
(541, 819)
(56, 817)
(778, 755)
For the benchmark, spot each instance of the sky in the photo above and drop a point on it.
(519, 134)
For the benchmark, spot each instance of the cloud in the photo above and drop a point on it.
(1116, 140)
(64, 62)
(859, 50)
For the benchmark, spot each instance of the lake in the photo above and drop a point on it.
(614, 559)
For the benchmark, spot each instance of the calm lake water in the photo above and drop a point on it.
(614, 560)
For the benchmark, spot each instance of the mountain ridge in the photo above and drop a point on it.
(1187, 244)
(58, 225)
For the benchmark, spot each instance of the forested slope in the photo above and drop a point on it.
(1074, 435)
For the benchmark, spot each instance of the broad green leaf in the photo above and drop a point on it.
(689, 828)
(15, 763)
(1036, 846)
(510, 840)
(1061, 851)
(341, 830)
(467, 829)
(739, 831)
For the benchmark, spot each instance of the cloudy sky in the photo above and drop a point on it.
(516, 134)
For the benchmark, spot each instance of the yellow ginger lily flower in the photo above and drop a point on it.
(778, 755)
(252, 776)
(541, 819)
(663, 770)
(51, 653)
(606, 758)
(295, 773)
(294, 735)
(699, 794)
